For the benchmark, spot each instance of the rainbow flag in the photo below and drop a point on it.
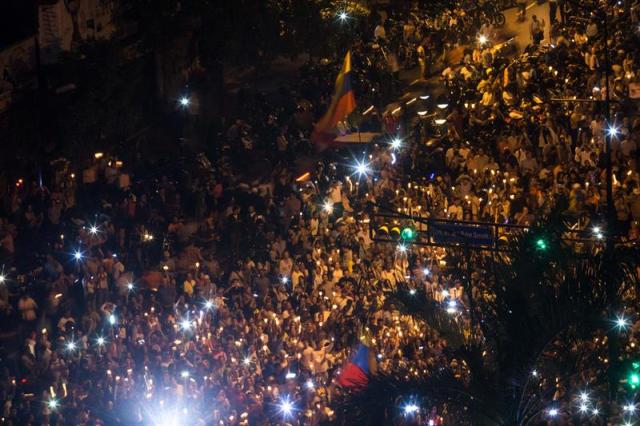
(342, 104)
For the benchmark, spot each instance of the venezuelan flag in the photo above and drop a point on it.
(342, 104)
(356, 372)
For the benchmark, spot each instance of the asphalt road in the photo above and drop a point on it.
(520, 30)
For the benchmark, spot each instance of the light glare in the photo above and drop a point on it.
(362, 168)
(286, 407)
(613, 131)
(622, 323)
(410, 409)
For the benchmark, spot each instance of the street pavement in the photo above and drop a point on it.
(513, 29)
(520, 30)
(432, 86)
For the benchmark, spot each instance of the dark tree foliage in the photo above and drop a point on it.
(551, 298)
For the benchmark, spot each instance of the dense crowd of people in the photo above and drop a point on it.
(217, 294)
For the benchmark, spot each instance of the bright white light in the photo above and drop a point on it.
(599, 235)
(343, 16)
(412, 291)
(362, 168)
(77, 255)
(596, 229)
(396, 143)
(130, 286)
(613, 131)
(186, 324)
(402, 248)
(2, 279)
(553, 412)
(284, 280)
(410, 409)
(327, 207)
(440, 121)
(583, 408)
(246, 361)
(71, 346)
(100, 341)
(584, 397)
(184, 101)
(290, 375)
(426, 271)
(93, 230)
(112, 319)
(53, 404)
(424, 97)
(286, 407)
(630, 408)
(442, 106)
(482, 39)
(310, 384)
(208, 305)
(452, 303)
(184, 374)
(622, 323)
(393, 158)
(534, 373)
(595, 411)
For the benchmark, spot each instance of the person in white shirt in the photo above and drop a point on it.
(285, 265)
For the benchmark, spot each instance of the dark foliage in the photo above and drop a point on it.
(552, 294)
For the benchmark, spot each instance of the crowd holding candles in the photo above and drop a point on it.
(212, 298)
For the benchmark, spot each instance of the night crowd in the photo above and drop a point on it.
(222, 295)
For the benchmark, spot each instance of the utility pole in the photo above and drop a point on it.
(612, 290)
(610, 132)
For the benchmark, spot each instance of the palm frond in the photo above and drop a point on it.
(550, 294)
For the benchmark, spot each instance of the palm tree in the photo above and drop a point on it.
(530, 348)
